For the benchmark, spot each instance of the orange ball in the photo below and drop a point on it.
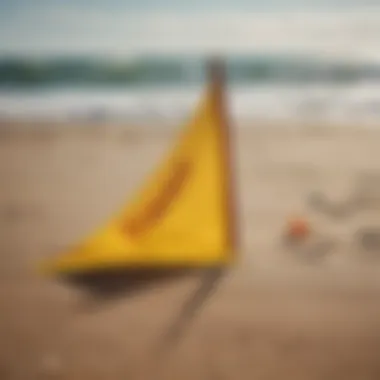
(298, 228)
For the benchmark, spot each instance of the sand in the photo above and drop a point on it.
(310, 311)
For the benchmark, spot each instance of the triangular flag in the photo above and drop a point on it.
(184, 216)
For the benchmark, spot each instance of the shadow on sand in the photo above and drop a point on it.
(208, 284)
(101, 287)
(110, 284)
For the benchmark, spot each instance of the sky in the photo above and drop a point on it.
(124, 28)
(182, 4)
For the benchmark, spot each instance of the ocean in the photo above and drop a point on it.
(164, 89)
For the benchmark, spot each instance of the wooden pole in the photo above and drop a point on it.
(216, 73)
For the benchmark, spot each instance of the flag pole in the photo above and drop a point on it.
(217, 80)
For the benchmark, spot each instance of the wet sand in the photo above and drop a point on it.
(277, 314)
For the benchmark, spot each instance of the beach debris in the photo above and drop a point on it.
(369, 240)
(365, 196)
(297, 229)
(319, 202)
(304, 244)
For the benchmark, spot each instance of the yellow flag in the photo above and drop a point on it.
(183, 216)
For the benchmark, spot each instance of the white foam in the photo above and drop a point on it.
(358, 103)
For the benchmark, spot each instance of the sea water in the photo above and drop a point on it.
(353, 103)
(293, 67)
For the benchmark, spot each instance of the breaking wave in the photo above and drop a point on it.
(21, 73)
(166, 89)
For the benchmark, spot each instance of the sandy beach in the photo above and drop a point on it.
(276, 315)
